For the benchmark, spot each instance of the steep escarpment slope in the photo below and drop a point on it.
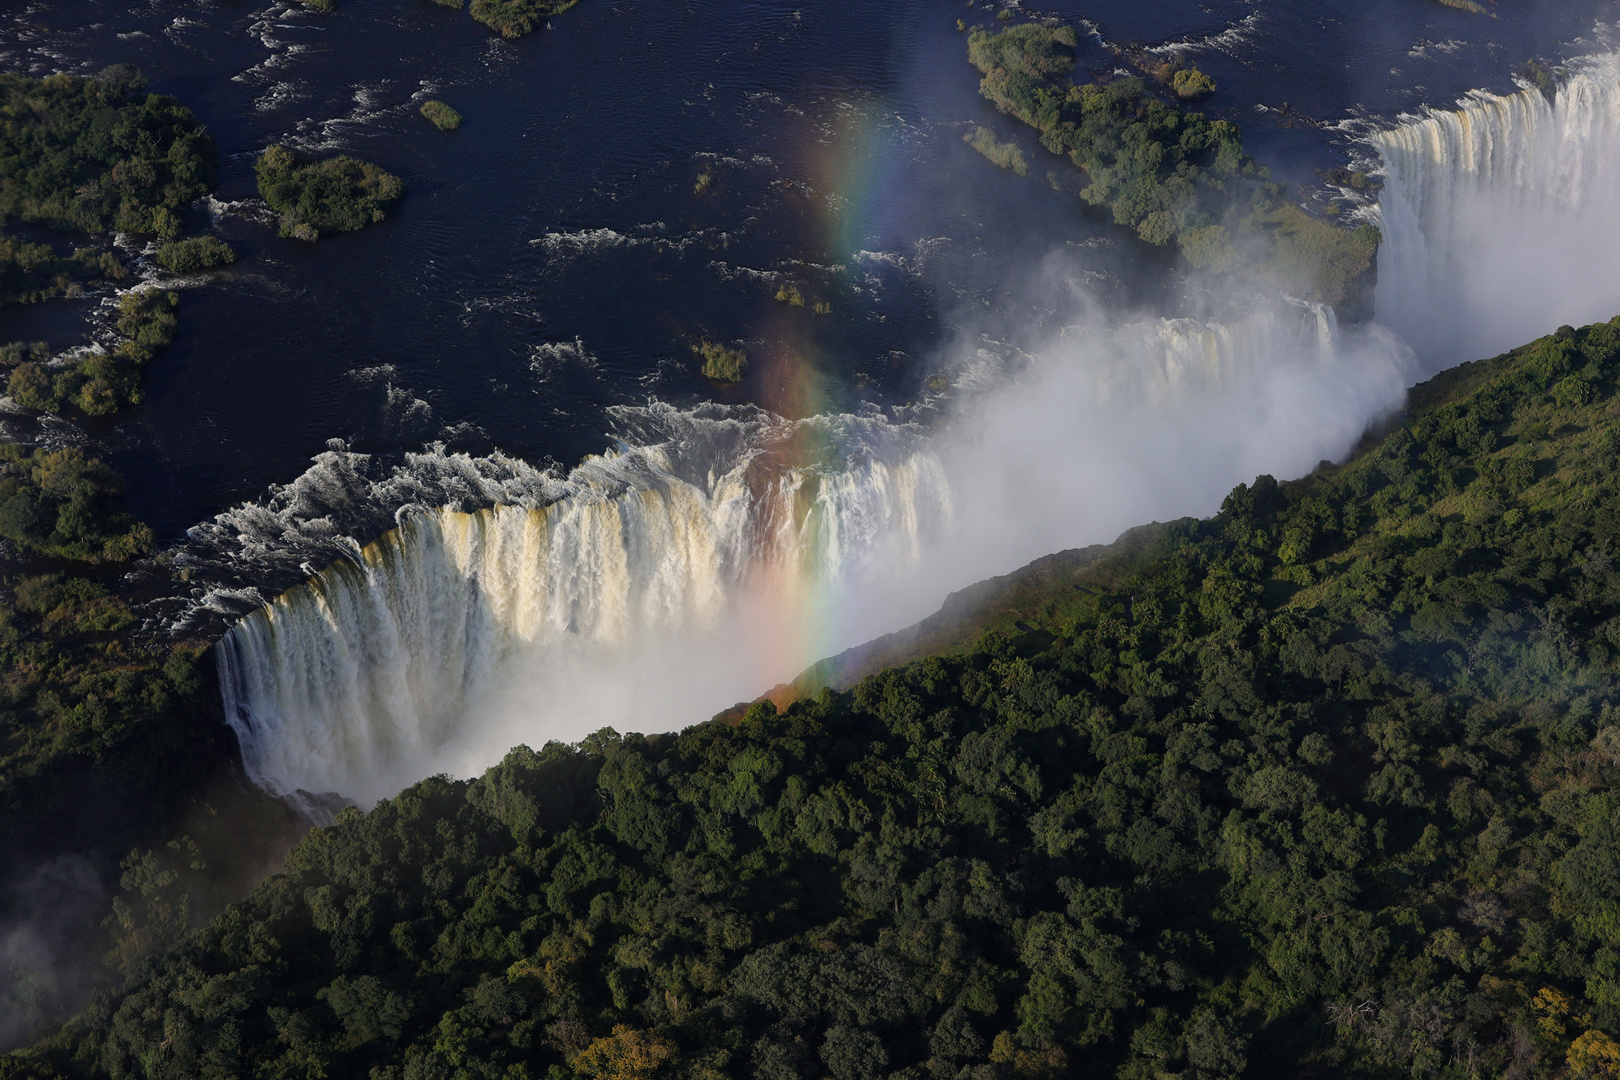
(1322, 786)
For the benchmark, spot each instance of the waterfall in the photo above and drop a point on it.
(1499, 217)
(718, 551)
(354, 680)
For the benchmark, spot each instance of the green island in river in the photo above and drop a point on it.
(1171, 175)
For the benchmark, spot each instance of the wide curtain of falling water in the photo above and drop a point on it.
(637, 591)
(1499, 217)
(669, 582)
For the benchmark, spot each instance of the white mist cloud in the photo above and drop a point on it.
(1114, 424)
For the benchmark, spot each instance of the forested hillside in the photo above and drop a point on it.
(1323, 786)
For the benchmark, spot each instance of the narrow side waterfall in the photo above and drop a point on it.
(1500, 217)
(713, 555)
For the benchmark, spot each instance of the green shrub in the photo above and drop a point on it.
(1170, 175)
(147, 316)
(101, 383)
(720, 363)
(1006, 154)
(90, 154)
(514, 18)
(338, 194)
(443, 116)
(194, 253)
(16, 352)
(1190, 84)
(32, 386)
(30, 273)
(63, 503)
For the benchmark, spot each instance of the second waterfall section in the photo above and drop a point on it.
(1499, 217)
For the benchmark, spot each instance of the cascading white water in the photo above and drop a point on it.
(376, 666)
(726, 551)
(1501, 218)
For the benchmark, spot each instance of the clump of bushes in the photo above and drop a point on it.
(63, 503)
(90, 154)
(71, 605)
(514, 18)
(17, 352)
(1006, 154)
(722, 364)
(443, 116)
(790, 294)
(193, 254)
(147, 317)
(1190, 84)
(339, 194)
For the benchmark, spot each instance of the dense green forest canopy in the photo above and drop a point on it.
(65, 504)
(1323, 786)
(95, 716)
(339, 194)
(92, 154)
(1169, 174)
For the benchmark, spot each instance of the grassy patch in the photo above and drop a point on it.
(443, 116)
(721, 362)
(1006, 154)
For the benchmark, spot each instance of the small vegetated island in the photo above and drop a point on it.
(1322, 787)
(1171, 175)
(314, 198)
(509, 18)
(441, 115)
(89, 155)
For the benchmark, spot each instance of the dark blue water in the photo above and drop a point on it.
(552, 258)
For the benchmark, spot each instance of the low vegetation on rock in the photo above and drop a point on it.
(443, 116)
(314, 198)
